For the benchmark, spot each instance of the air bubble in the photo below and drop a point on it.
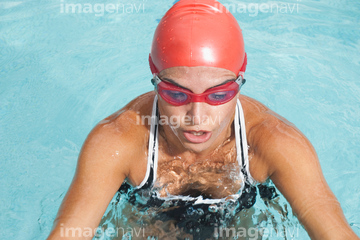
(213, 208)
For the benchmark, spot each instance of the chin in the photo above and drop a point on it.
(197, 147)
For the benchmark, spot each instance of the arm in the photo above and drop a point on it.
(101, 169)
(295, 170)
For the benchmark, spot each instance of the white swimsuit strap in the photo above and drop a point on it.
(153, 146)
(241, 141)
(156, 144)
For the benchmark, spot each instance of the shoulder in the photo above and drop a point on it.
(128, 119)
(121, 138)
(273, 140)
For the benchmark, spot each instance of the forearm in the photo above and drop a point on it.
(72, 229)
(327, 222)
(334, 233)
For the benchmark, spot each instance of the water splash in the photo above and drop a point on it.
(267, 219)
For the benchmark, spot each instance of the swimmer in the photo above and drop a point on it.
(195, 142)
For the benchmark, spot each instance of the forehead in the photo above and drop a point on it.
(197, 78)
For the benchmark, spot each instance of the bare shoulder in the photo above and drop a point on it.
(259, 116)
(272, 138)
(121, 139)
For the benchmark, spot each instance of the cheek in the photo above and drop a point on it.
(167, 109)
(171, 116)
(223, 121)
(225, 113)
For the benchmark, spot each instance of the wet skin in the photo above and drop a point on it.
(117, 147)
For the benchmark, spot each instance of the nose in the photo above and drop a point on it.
(196, 112)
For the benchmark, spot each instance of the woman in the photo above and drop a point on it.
(187, 145)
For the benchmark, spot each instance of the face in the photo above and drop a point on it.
(197, 126)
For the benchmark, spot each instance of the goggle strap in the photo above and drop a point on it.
(240, 81)
(156, 80)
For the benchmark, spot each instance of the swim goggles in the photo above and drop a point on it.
(178, 96)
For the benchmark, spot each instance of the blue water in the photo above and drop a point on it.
(61, 73)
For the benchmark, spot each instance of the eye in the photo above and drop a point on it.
(221, 96)
(175, 95)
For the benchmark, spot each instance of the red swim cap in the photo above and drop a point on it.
(198, 33)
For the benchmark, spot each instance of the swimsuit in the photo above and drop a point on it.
(196, 212)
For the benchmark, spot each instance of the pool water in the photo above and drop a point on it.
(62, 72)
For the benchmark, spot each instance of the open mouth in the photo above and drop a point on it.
(197, 136)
